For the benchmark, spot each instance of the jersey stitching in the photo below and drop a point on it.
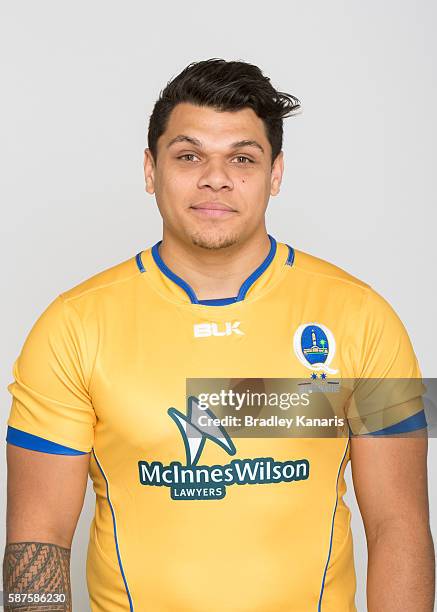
(89, 367)
(319, 608)
(363, 338)
(360, 284)
(68, 298)
(114, 522)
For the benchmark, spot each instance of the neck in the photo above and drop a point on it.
(215, 273)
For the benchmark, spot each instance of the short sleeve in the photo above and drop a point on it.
(388, 389)
(50, 396)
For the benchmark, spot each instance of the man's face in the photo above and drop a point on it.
(213, 175)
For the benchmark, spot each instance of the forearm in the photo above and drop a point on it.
(401, 571)
(36, 578)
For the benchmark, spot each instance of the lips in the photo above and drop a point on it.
(212, 209)
(212, 205)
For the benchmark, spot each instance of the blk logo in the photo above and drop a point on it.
(205, 330)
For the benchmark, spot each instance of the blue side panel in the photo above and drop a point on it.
(319, 609)
(17, 437)
(412, 423)
(114, 524)
(141, 268)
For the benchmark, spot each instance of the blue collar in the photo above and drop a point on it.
(219, 301)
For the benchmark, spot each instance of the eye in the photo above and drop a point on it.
(242, 159)
(188, 157)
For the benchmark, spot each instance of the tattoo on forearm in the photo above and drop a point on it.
(36, 578)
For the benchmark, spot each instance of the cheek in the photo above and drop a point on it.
(253, 195)
(173, 189)
(180, 185)
(253, 187)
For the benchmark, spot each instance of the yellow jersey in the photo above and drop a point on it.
(213, 524)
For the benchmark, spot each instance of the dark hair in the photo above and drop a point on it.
(225, 86)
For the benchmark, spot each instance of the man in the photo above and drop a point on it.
(195, 519)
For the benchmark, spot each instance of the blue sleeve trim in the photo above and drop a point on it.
(17, 437)
(413, 422)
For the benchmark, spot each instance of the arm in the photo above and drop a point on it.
(45, 498)
(390, 482)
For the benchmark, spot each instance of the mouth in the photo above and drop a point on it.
(212, 209)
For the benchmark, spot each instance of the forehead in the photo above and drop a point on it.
(214, 128)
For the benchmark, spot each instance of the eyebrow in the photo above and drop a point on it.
(195, 142)
(247, 143)
(184, 138)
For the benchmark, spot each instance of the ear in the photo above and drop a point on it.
(149, 171)
(276, 174)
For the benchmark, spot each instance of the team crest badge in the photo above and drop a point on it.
(314, 346)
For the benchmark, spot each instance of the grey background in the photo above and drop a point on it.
(78, 84)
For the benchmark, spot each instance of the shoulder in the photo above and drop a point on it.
(60, 321)
(377, 339)
(324, 271)
(115, 279)
(325, 279)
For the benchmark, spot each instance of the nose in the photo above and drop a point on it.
(215, 176)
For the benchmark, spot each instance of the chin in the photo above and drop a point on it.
(214, 239)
